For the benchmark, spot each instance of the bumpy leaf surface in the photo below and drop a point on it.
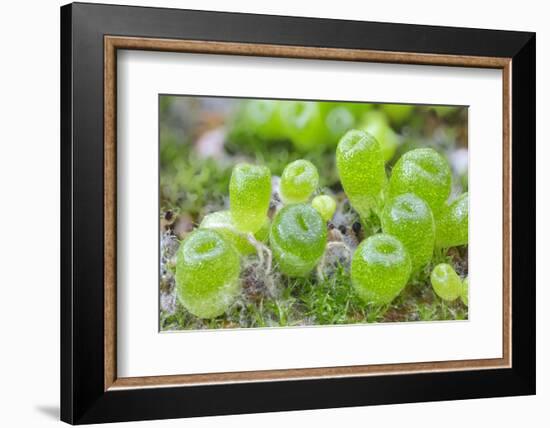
(380, 269)
(298, 181)
(207, 273)
(410, 219)
(452, 223)
(249, 196)
(298, 239)
(445, 282)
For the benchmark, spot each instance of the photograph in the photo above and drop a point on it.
(299, 213)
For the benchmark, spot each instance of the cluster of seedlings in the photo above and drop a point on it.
(285, 226)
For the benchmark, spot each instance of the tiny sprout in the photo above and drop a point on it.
(445, 282)
(361, 168)
(425, 173)
(298, 239)
(222, 222)
(464, 291)
(452, 223)
(380, 269)
(410, 219)
(298, 181)
(207, 273)
(326, 205)
(249, 196)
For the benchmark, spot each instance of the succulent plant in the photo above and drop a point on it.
(325, 205)
(452, 223)
(446, 282)
(298, 181)
(207, 273)
(361, 167)
(249, 196)
(410, 219)
(298, 238)
(380, 269)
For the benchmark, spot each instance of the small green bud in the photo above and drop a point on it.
(361, 168)
(298, 181)
(445, 282)
(249, 196)
(222, 222)
(410, 219)
(425, 173)
(452, 223)
(298, 239)
(380, 269)
(325, 205)
(207, 273)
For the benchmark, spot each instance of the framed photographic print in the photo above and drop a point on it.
(265, 213)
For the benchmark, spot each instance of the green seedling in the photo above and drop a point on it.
(380, 269)
(445, 282)
(425, 173)
(298, 181)
(452, 223)
(410, 219)
(298, 239)
(325, 205)
(207, 273)
(376, 124)
(361, 168)
(304, 124)
(249, 196)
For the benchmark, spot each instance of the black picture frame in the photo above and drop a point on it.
(83, 398)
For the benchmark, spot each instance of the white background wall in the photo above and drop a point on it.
(29, 212)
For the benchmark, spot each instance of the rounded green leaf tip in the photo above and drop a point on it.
(464, 291)
(249, 196)
(445, 282)
(425, 173)
(298, 181)
(375, 123)
(452, 223)
(222, 222)
(361, 168)
(304, 125)
(325, 205)
(207, 273)
(298, 239)
(410, 219)
(380, 269)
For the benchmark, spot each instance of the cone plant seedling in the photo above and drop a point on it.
(207, 273)
(298, 181)
(249, 196)
(410, 219)
(325, 205)
(222, 222)
(361, 168)
(298, 238)
(338, 120)
(425, 173)
(452, 223)
(446, 282)
(464, 291)
(380, 269)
